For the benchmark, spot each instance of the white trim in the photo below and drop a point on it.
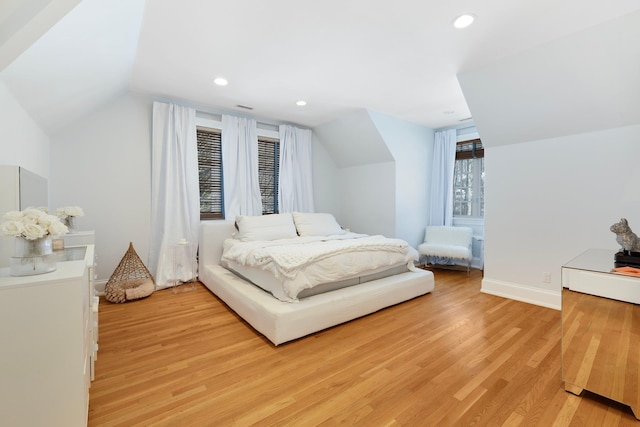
(469, 221)
(549, 299)
(208, 123)
(217, 124)
(98, 286)
(468, 136)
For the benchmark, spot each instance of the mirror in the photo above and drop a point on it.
(20, 189)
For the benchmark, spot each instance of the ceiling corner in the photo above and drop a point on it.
(25, 21)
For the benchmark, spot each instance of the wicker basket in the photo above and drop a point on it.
(130, 280)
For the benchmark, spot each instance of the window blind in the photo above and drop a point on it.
(268, 162)
(210, 172)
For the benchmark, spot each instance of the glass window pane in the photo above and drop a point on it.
(468, 186)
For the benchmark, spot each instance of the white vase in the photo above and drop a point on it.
(32, 257)
(37, 247)
(70, 222)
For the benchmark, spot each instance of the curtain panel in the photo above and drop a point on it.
(444, 158)
(295, 180)
(240, 167)
(175, 196)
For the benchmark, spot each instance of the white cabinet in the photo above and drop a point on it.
(48, 344)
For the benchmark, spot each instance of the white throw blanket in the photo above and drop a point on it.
(286, 257)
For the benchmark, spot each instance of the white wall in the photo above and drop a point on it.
(412, 148)
(377, 181)
(326, 182)
(23, 142)
(549, 200)
(367, 197)
(102, 164)
(353, 140)
(360, 188)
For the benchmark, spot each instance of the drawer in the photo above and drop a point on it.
(614, 286)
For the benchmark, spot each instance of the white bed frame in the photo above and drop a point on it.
(283, 321)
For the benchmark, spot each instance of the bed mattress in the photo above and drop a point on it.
(292, 268)
(267, 280)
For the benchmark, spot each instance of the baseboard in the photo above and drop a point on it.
(522, 293)
(98, 286)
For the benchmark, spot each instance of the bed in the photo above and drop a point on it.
(309, 310)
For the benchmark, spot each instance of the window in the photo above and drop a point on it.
(210, 173)
(468, 179)
(268, 161)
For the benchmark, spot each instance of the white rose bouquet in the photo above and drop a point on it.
(31, 224)
(68, 211)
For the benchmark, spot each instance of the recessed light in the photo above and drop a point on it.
(463, 21)
(301, 103)
(220, 81)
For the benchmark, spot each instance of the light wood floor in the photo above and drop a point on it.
(453, 357)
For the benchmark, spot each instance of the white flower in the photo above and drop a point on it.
(46, 220)
(33, 231)
(12, 216)
(69, 211)
(31, 224)
(52, 224)
(11, 228)
(56, 228)
(32, 216)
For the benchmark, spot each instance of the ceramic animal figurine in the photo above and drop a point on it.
(625, 237)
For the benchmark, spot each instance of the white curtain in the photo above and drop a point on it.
(175, 197)
(240, 167)
(444, 157)
(295, 180)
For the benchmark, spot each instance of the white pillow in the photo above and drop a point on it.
(265, 227)
(316, 224)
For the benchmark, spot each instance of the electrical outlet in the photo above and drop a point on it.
(546, 277)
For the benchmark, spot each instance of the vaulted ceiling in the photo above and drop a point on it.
(61, 58)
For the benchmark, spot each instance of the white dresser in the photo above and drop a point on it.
(48, 339)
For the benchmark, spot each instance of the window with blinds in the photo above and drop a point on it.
(268, 161)
(468, 179)
(210, 173)
(469, 149)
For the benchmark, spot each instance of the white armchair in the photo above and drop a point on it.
(447, 242)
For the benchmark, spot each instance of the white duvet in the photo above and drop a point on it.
(338, 257)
